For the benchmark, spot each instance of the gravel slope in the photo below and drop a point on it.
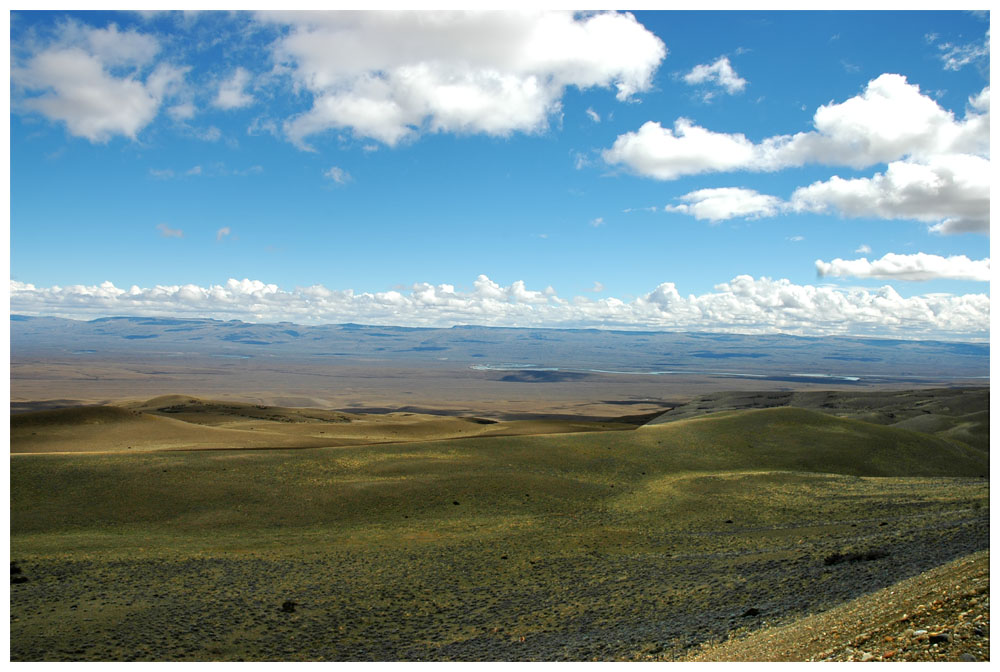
(940, 615)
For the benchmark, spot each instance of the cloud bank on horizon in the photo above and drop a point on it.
(742, 305)
(367, 149)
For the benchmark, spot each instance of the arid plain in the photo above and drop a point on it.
(283, 507)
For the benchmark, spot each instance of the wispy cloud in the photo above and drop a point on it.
(720, 73)
(957, 56)
(181, 111)
(597, 221)
(338, 175)
(222, 233)
(167, 232)
(594, 116)
(231, 94)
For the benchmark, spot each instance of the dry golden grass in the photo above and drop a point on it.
(179, 422)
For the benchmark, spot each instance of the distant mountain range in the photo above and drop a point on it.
(537, 355)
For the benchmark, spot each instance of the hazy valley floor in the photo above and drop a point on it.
(599, 545)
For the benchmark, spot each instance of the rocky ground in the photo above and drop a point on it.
(940, 615)
(535, 594)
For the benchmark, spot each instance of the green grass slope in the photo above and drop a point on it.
(971, 428)
(800, 440)
(497, 481)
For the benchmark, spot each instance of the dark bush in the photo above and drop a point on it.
(837, 558)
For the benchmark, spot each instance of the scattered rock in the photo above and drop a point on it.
(968, 658)
(939, 638)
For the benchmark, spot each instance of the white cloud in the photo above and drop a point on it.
(164, 174)
(391, 76)
(597, 221)
(594, 116)
(210, 134)
(796, 239)
(167, 232)
(222, 233)
(952, 191)
(720, 73)
(726, 203)
(654, 151)
(890, 120)
(863, 249)
(81, 94)
(182, 111)
(194, 170)
(231, 93)
(917, 267)
(580, 160)
(957, 56)
(111, 46)
(598, 287)
(338, 175)
(937, 168)
(742, 305)
(74, 82)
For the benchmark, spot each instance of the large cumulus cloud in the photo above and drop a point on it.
(99, 82)
(392, 75)
(937, 166)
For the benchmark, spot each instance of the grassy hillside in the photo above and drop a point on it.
(952, 413)
(801, 440)
(178, 422)
(620, 545)
(490, 477)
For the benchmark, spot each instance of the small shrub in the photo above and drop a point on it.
(838, 558)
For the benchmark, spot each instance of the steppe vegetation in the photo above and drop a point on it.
(408, 537)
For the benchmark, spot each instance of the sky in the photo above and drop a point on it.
(813, 173)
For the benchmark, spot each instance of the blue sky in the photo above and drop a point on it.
(733, 171)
